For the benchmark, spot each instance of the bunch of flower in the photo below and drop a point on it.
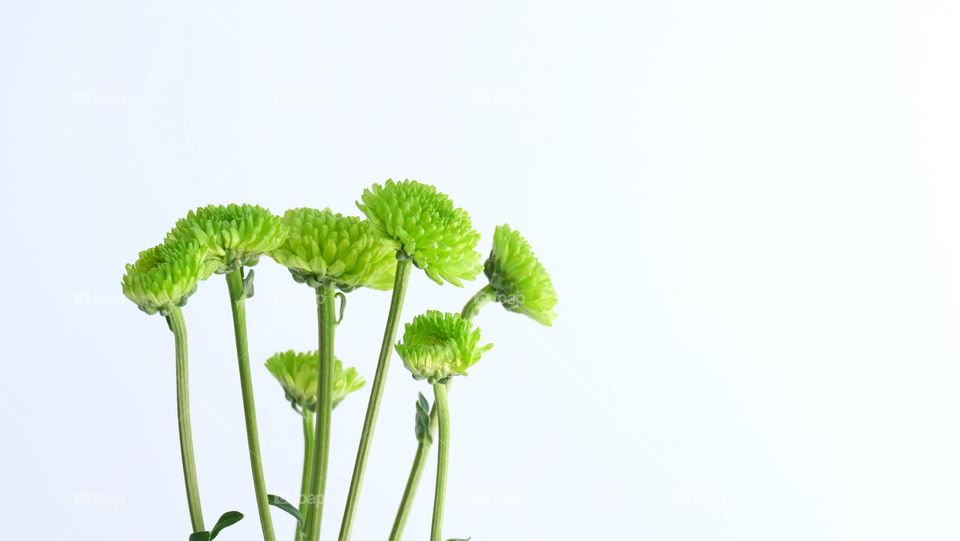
(407, 225)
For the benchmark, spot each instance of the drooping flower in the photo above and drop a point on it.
(437, 346)
(165, 276)
(324, 248)
(297, 374)
(521, 283)
(422, 224)
(233, 235)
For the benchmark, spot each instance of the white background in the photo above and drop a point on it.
(749, 209)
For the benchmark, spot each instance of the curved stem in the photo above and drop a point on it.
(179, 328)
(443, 453)
(235, 286)
(486, 295)
(326, 322)
(470, 310)
(376, 393)
(307, 468)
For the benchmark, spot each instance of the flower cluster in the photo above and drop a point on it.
(165, 276)
(422, 224)
(297, 374)
(437, 346)
(406, 224)
(324, 248)
(521, 283)
(232, 235)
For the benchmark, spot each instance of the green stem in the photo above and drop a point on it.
(326, 322)
(235, 286)
(470, 310)
(307, 468)
(486, 295)
(179, 328)
(413, 481)
(443, 454)
(376, 393)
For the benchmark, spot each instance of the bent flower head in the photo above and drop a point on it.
(297, 374)
(324, 248)
(233, 235)
(437, 346)
(423, 224)
(165, 276)
(521, 283)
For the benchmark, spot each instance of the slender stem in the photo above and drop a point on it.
(179, 328)
(443, 454)
(470, 310)
(235, 286)
(413, 481)
(376, 393)
(326, 322)
(307, 468)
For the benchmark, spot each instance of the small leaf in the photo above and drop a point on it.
(227, 519)
(422, 402)
(459, 539)
(423, 420)
(200, 536)
(343, 305)
(280, 503)
(248, 285)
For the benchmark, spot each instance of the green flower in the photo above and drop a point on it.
(423, 225)
(437, 346)
(165, 276)
(233, 235)
(521, 282)
(324, 248)
(297, 374)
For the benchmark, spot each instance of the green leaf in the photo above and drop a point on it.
(423, 420)
(248, 285)
(280, 503)
(200, 536)
(227, 519)
(343, 305)
(459, 539)
(422, 402)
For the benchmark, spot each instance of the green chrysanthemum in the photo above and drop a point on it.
(327, 248)
(437, 346)
(233, 235)
(297, 374)
(423, 224)
(165, 276)
(521, 282)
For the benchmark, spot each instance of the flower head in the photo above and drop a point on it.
(164, 276)
(437, 346)
(233, 235)
(521, 282)
(297, 374)
(325, 248)
(423, 224)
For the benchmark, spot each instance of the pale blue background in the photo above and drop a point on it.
(750, 209)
